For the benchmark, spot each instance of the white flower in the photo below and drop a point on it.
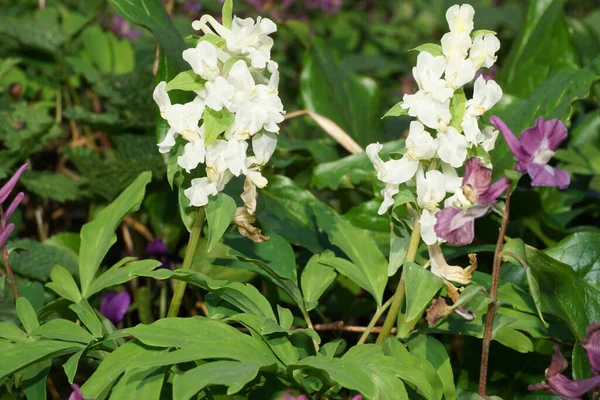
(168, 142)
(220, 93)
(428, 73)
(193, 155)
(199, 191)
(263, 146)
(388, 193)
(257, 107)
(453, 147)
(460, 18)
(431, 188)
(429, 111)
(470, 126)
(184, 118)
(203, 60)
(459, 71)
(161, 98)
(490, 134)
(483, 51)
(456, 44)
(420, 145)
(485, 96)
(427, 222)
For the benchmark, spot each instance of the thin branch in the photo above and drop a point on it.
(493, 307)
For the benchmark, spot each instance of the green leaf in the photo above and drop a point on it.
(434, 49)
(24, 354)
(39, 259)
(34, 380)
(199, 338)
(98, 236)
(359, 248)
(120, 273)
(514, 339)
(27, 315)
(232, 374)
(458, 107)
(62, 329)
(52, 186)
(315, 279)
(140, 383)
(348, 100)
(543, 45)
(227, 13)
(88, 316)
(220, 211)
(112, 367)
(396, 110)
(581, 251)
(345, 373)
(152, 15)
(64, 284)
(11, 332)
(430, 349)
(243, 296)
(563, 292)
(421, 286)
(186, 80)
(399, 239)
(70, 366)
(215, 123)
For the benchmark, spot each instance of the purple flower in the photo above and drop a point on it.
(191, 8)
(457, 225)
(591, 344)
(5, 191)
(488, 76)
(562, 386)
(123, 29)
(158, 250)
(114, 305)
(76, 394)
(534, 149)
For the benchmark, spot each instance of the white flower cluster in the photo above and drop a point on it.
(230, 65)
(440, 106)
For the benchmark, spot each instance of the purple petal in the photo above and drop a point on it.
(456, 225)
(157, 248)
(557, 365)
(543, 135)
(114, 305)
(5, 234)
(513, 143)
(477, 179)
(76, 393)
(539, 386)
(591, 344)
(10, 185)
(13, 205)
(545, 175)
(494, 191)
(565, 388)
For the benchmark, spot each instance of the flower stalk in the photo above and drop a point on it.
(187, 261)
(493, 307)
(392, 315)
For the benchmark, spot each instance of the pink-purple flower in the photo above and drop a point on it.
(534, 149)
(76, 394)
(5, 214)
(114, 305)
(457, 224)
(560, 385)
(123, 28)
(591, 344)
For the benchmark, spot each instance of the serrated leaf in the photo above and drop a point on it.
(38, 260)
(53, 186)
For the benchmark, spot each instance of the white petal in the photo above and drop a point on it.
(388, 193)
(456, 44)
(203, 60)
(420, 145)
(168, 142)
(161, 98)
(220, 93)
(399, 171)
(263, 146)
(483, 51)
(460, 18)
(459, 71)
(199, 191)
(431, 188)
(453, 147)
(193, 155)
(452, 181)
(427, 222)
(490, 134)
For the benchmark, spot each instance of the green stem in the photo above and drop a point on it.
(187, 262)
(392, 315)
(374, 320)
(310, 325)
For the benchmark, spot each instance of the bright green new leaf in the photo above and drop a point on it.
(27, 315)
(421, 286)
(396, 111)
(220, 211)
(64, 284)
(98, 236)
(227, 14)
(458, 107)
(186, 80)
(433, 49)
(215, 123)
